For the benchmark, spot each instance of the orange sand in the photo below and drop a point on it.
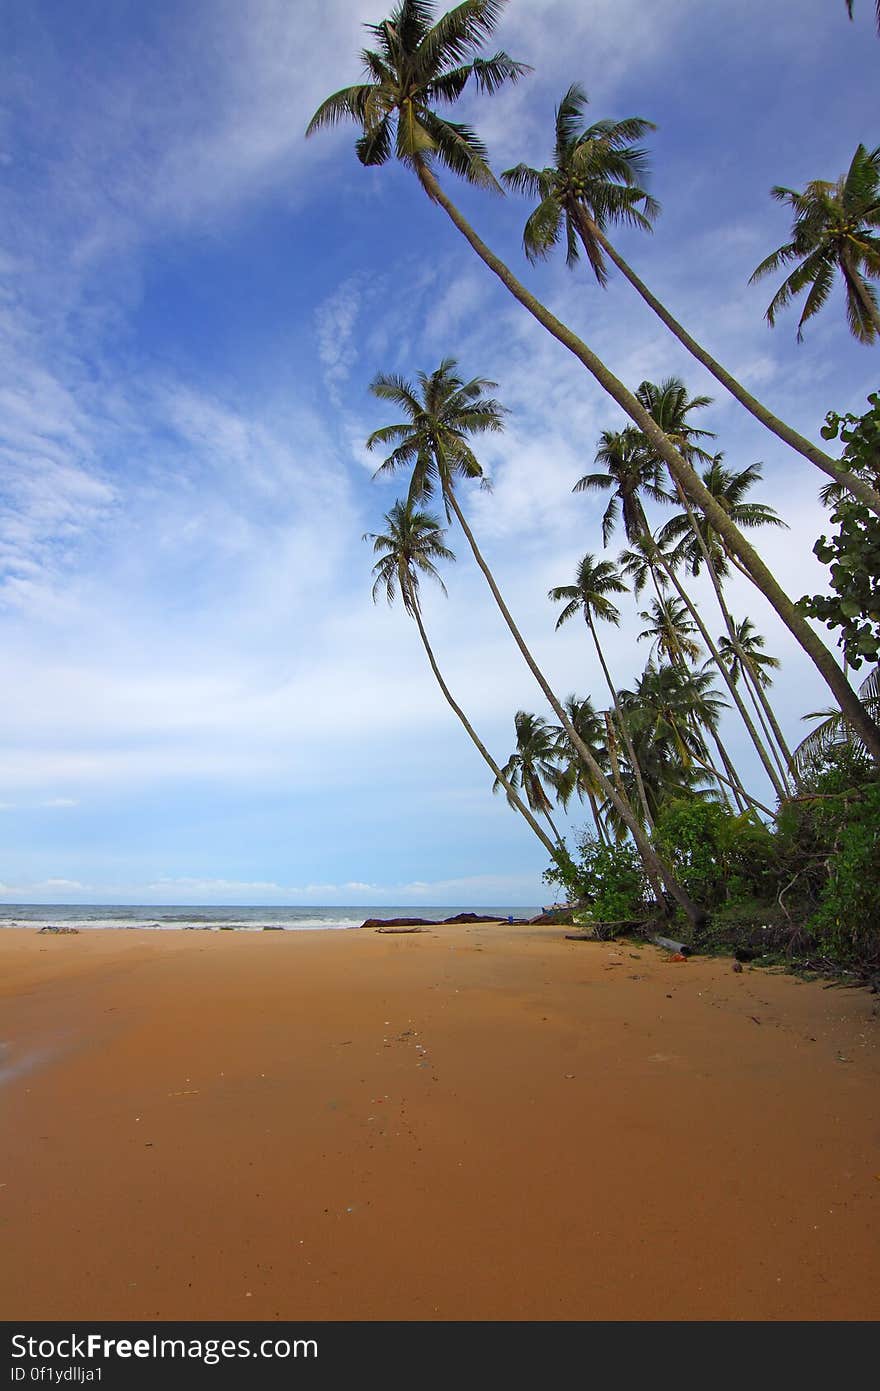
(471, 1123)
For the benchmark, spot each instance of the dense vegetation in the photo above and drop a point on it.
(676, 829)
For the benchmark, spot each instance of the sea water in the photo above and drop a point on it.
(214, 917)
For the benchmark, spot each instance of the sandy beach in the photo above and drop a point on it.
(465, 1123)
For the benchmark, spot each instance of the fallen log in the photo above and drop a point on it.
(669, 945)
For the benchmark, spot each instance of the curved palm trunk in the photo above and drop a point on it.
(735, 789)
(728, 679)
(511, 792)
(781, 788)
(863, 490)
(559, 841)
(597, 820)
(772, 743)
(611, 742)
(654, 866)
(624, 728)
(680, 469)
(754, 801)
(770, 714)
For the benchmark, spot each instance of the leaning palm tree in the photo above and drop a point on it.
(412, 546)
(594, 581)
(834, 230)
(417, 65)
(433, 439)
(577, 777)
(746, 657)
(533, 766)
(595, 182)
(670, 405)
(700, 544)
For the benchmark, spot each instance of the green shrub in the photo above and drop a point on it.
(607, 879)
(718, 857)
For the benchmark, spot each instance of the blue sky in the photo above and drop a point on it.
(201, 702)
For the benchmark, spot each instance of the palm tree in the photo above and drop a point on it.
(577, 777)
(627, 471)
(746, 657)
(594, 581)
(670, 406)
(700, 544)
(415, 66)
(835, 731)
(595, 181)
(833, 231)
(532, 766)
(670, 629)
(659, 709)
(433, 439)
(411, 546)
(729, 488)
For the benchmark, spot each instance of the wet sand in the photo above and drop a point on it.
(466, 1123)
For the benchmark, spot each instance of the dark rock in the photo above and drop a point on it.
(397, 922)
(65, 931)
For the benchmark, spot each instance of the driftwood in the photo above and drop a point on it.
(669, 945)
(399, 929)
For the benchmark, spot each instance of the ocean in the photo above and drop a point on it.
(213, 917)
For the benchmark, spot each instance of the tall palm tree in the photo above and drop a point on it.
(433, 440)
(412, 546)
(578, 779)
(834, 230)
(669, 405)
(414, 66)
(746, 657)
(700, 544)
(533, 766)
(595, 182)
(647, 558)
(588, 596)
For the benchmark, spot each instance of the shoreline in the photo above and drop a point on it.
(470, 1122)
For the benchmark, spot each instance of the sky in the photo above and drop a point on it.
(201, 702)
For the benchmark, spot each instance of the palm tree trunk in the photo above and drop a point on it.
(654, 866)
(754, 801)
(511, 791)
(624, 728)
(559, 841)
(780, 787)
(863, 490)
(760, 707)
(611, 742)
(739, 793)
(767, 707)
(726, 676)
(680, 469)
(600, 829)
